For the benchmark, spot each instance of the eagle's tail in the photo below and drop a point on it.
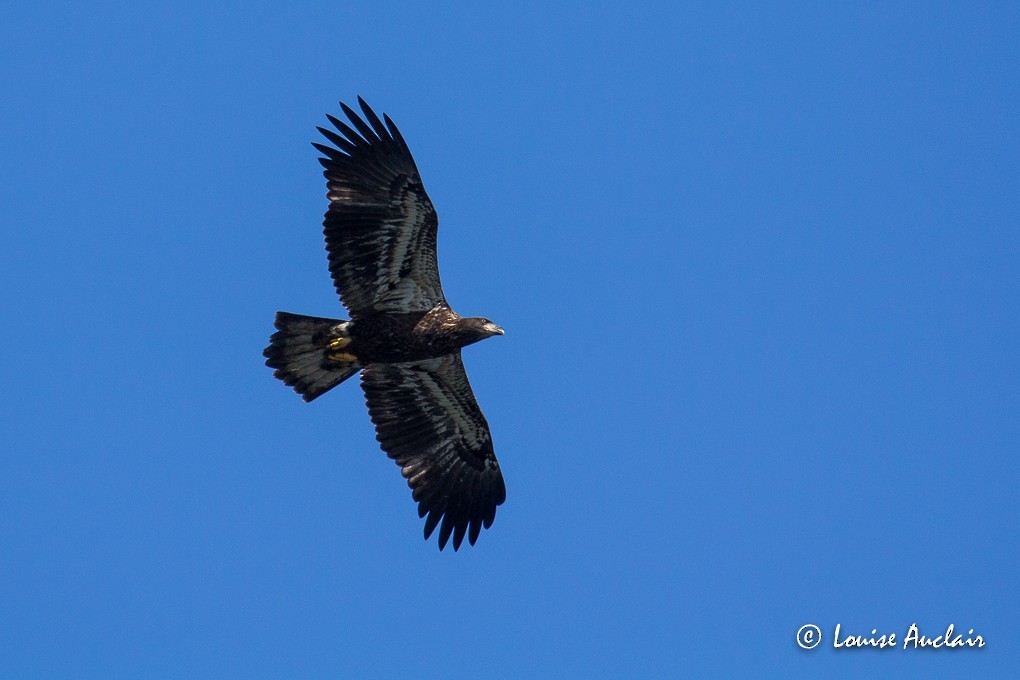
(307, 353)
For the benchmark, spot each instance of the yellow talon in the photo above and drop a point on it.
(339, 343)
(343, 356)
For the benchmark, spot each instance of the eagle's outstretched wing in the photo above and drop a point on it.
(380, 227)
(428, 421)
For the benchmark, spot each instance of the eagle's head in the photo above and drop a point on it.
(477, 328)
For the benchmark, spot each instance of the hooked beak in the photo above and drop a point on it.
(494, 329)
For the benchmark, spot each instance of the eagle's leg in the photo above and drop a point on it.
(338, 344)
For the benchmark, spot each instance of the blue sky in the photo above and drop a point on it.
(758, 267)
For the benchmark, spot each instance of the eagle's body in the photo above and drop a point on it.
(403, 336)
(412, 336)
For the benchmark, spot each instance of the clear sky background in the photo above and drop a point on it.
(758, 266)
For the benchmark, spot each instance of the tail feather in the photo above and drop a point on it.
(299, 351)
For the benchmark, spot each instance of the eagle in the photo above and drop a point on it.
(402, 335)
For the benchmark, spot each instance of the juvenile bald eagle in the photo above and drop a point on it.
(380, 231)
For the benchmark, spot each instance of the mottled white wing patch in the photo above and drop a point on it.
(428, 421)
(401, 278)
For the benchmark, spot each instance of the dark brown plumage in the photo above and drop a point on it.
(380, 231)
